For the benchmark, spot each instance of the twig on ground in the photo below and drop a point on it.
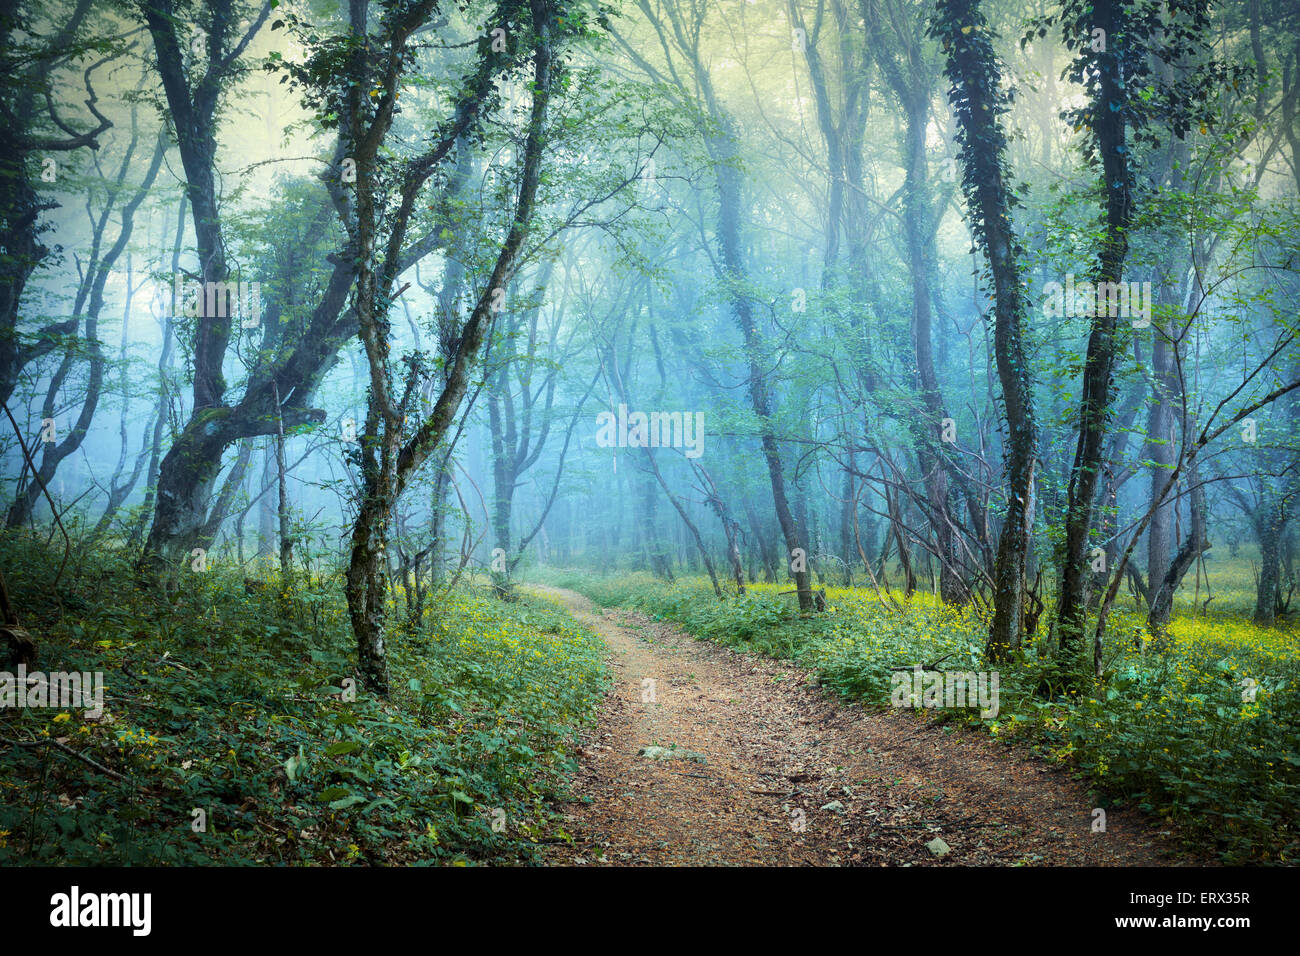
(51, 742)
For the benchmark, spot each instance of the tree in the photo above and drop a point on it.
(28, 62)
(90, 298)
(1118, 44)
(389, 453)
(680, 37)
(978, 100)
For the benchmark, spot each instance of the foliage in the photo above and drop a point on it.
(233, 703)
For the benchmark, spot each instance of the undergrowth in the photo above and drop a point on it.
(239, 736)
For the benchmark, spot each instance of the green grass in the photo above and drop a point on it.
(235, 704)
(1170, 731)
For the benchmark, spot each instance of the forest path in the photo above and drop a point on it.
(754, 750)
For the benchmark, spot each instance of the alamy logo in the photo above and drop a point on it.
(83, 690)
(931, 688)
(218, 300)
(133, 910)
(1116, 299)
(655, 430)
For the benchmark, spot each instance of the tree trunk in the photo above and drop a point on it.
(1269, 525)
(1197, 543)
(977, 100)
(282, 511)
(1103, 342)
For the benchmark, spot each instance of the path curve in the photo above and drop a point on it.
(759, 766)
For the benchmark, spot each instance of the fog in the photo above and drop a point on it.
(960, 299)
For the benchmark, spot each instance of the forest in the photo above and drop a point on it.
(649, 433)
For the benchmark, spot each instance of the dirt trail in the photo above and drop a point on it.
(761, 767)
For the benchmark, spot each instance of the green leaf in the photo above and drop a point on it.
(294, 765)
(346, 802)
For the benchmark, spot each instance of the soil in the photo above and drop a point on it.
(759, 766)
